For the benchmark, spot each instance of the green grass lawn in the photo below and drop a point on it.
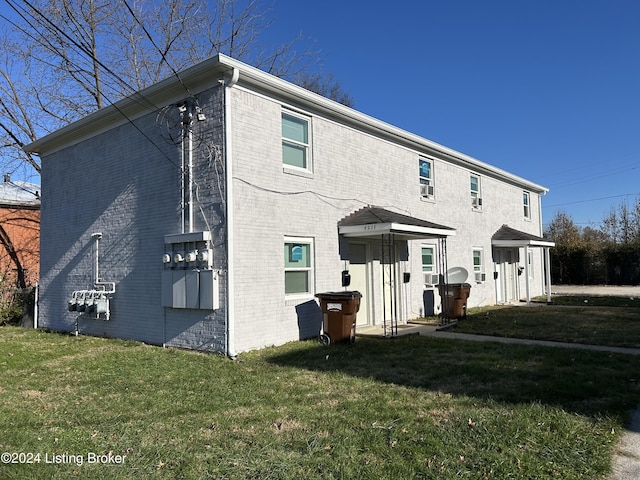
(412, 407)
(590, 320)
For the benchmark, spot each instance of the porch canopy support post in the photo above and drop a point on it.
(511, 238)
(390, 227)
(547, 268)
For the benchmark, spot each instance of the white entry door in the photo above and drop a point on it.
(359, 270)
(507, 285)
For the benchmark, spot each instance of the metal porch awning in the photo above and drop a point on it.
(374, 221)
(371, 222)
(508, 237)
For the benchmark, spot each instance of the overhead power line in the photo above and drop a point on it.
(43, 20)
(163, 55)
(591, 200)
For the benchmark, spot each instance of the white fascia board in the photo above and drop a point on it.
(150, 100)
(206, 75)
(262, 80)
(374, 229)
(522, 243)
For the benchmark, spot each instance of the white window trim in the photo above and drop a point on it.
(481, 269)
(476, 206)
(429, 180)
(304, 171)
(311, 268)
(527, 216)
(435, 264)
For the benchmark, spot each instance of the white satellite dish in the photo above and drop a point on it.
(457, 275)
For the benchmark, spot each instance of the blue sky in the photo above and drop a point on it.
(547, 89)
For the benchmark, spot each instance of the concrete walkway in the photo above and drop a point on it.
(626, 460)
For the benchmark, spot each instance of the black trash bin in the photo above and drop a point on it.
(339, 310)
(454, 299)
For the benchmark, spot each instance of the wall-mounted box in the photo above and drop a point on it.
(192, 289)
(198, 289)
(209, 290)
(179, 289)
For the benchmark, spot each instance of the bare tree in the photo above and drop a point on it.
(66, 58)
(325, 85)
(63, 59)
(621, 225)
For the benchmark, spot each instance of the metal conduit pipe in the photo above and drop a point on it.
(227, 84)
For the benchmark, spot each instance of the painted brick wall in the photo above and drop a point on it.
(126, 185)
(351, 169)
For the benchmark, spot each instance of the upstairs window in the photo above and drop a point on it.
(526, 205)
(426, 178)
(295, 141)
(476, 199)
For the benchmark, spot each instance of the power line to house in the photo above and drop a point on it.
(44, 21)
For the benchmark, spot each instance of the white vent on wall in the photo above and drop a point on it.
(431, 278)
(427, 190)
(480, 277)
(476, 202)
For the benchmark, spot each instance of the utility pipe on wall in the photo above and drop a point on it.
(187, 114)
(97, 281)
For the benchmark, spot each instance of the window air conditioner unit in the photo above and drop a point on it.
(431, 279)
(426, 190)
(480, 277)
(476, 202)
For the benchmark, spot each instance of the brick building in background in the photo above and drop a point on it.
(19, 250)
(19, 233)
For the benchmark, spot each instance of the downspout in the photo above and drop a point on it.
(36, 294)
(230, 310)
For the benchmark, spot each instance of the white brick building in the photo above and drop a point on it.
(211, 209)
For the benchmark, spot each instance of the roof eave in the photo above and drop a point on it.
(522, 243)
(206, 73)
(149, 100)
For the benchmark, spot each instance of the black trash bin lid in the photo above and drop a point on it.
(343, 294)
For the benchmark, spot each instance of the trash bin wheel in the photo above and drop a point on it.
(324, 339)
(352, 336)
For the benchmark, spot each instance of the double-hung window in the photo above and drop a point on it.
(426, 178)
(295, 141)
(429, 270)
(526, 198)
(478, 265)
(298, 266)
(476, 198)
